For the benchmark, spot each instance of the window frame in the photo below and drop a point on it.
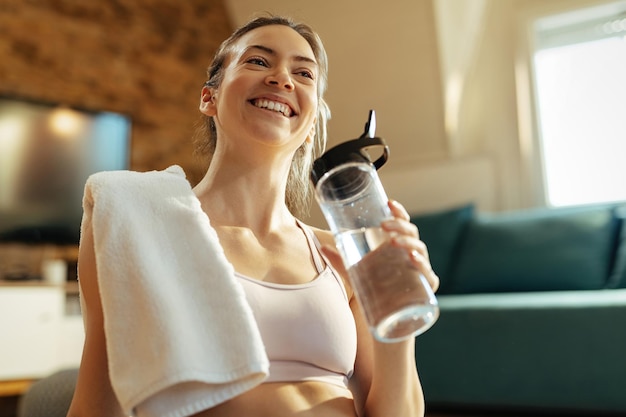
(533, 170)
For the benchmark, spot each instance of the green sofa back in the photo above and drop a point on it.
(617, 279)
(577, 248)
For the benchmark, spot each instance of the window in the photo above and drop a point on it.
(580, 88)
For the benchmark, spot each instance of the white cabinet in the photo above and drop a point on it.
(33, 324)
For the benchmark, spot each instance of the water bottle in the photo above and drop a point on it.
(395, 297)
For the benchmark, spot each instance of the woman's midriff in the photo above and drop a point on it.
(280, 399)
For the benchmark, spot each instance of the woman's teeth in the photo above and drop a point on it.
(273, 105)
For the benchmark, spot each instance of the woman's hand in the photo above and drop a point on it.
(406, 235)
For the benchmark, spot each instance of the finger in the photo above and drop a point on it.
(398, 210)
(433, 281)
(411, 244)
(424, 266)
(419, 257)
(402, 227)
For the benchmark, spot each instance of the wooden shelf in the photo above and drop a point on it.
(68, 253)
(15, 387)
(24, 283)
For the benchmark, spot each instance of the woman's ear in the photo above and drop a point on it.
(311, 136)
(207, 101)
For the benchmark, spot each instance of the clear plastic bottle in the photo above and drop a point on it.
(396, 299)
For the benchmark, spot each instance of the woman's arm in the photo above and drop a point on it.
(94, 395)
(386, 382)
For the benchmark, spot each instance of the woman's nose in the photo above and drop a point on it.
(280, 78)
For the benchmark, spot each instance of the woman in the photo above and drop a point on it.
(266, 122)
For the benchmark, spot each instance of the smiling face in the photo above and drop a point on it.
(298, 194)
(269, 89)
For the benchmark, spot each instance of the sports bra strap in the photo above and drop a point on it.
(320, 260)
(314, 247)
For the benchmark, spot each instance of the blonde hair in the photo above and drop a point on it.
(299, 188)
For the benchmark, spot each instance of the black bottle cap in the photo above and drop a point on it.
(354, 150)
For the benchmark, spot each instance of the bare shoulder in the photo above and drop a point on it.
(323, 235)
(326, 238)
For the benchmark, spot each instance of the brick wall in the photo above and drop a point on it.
(144, 58)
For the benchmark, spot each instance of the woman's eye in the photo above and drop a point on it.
(257, 61)
(306, 73)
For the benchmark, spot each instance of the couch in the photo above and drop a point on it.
(533, 311)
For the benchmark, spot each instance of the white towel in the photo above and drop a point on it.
(180, 335)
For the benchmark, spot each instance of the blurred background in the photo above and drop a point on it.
(505, 104)
(454, 84)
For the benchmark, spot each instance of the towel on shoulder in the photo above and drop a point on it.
(180, 335)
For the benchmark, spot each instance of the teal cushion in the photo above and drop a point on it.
(442, 232)
(537, 250)
(618, 273)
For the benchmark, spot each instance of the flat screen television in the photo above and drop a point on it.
(47, 152)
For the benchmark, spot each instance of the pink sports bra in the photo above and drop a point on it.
(308, 329)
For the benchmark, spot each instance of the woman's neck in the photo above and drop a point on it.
(252, 198)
